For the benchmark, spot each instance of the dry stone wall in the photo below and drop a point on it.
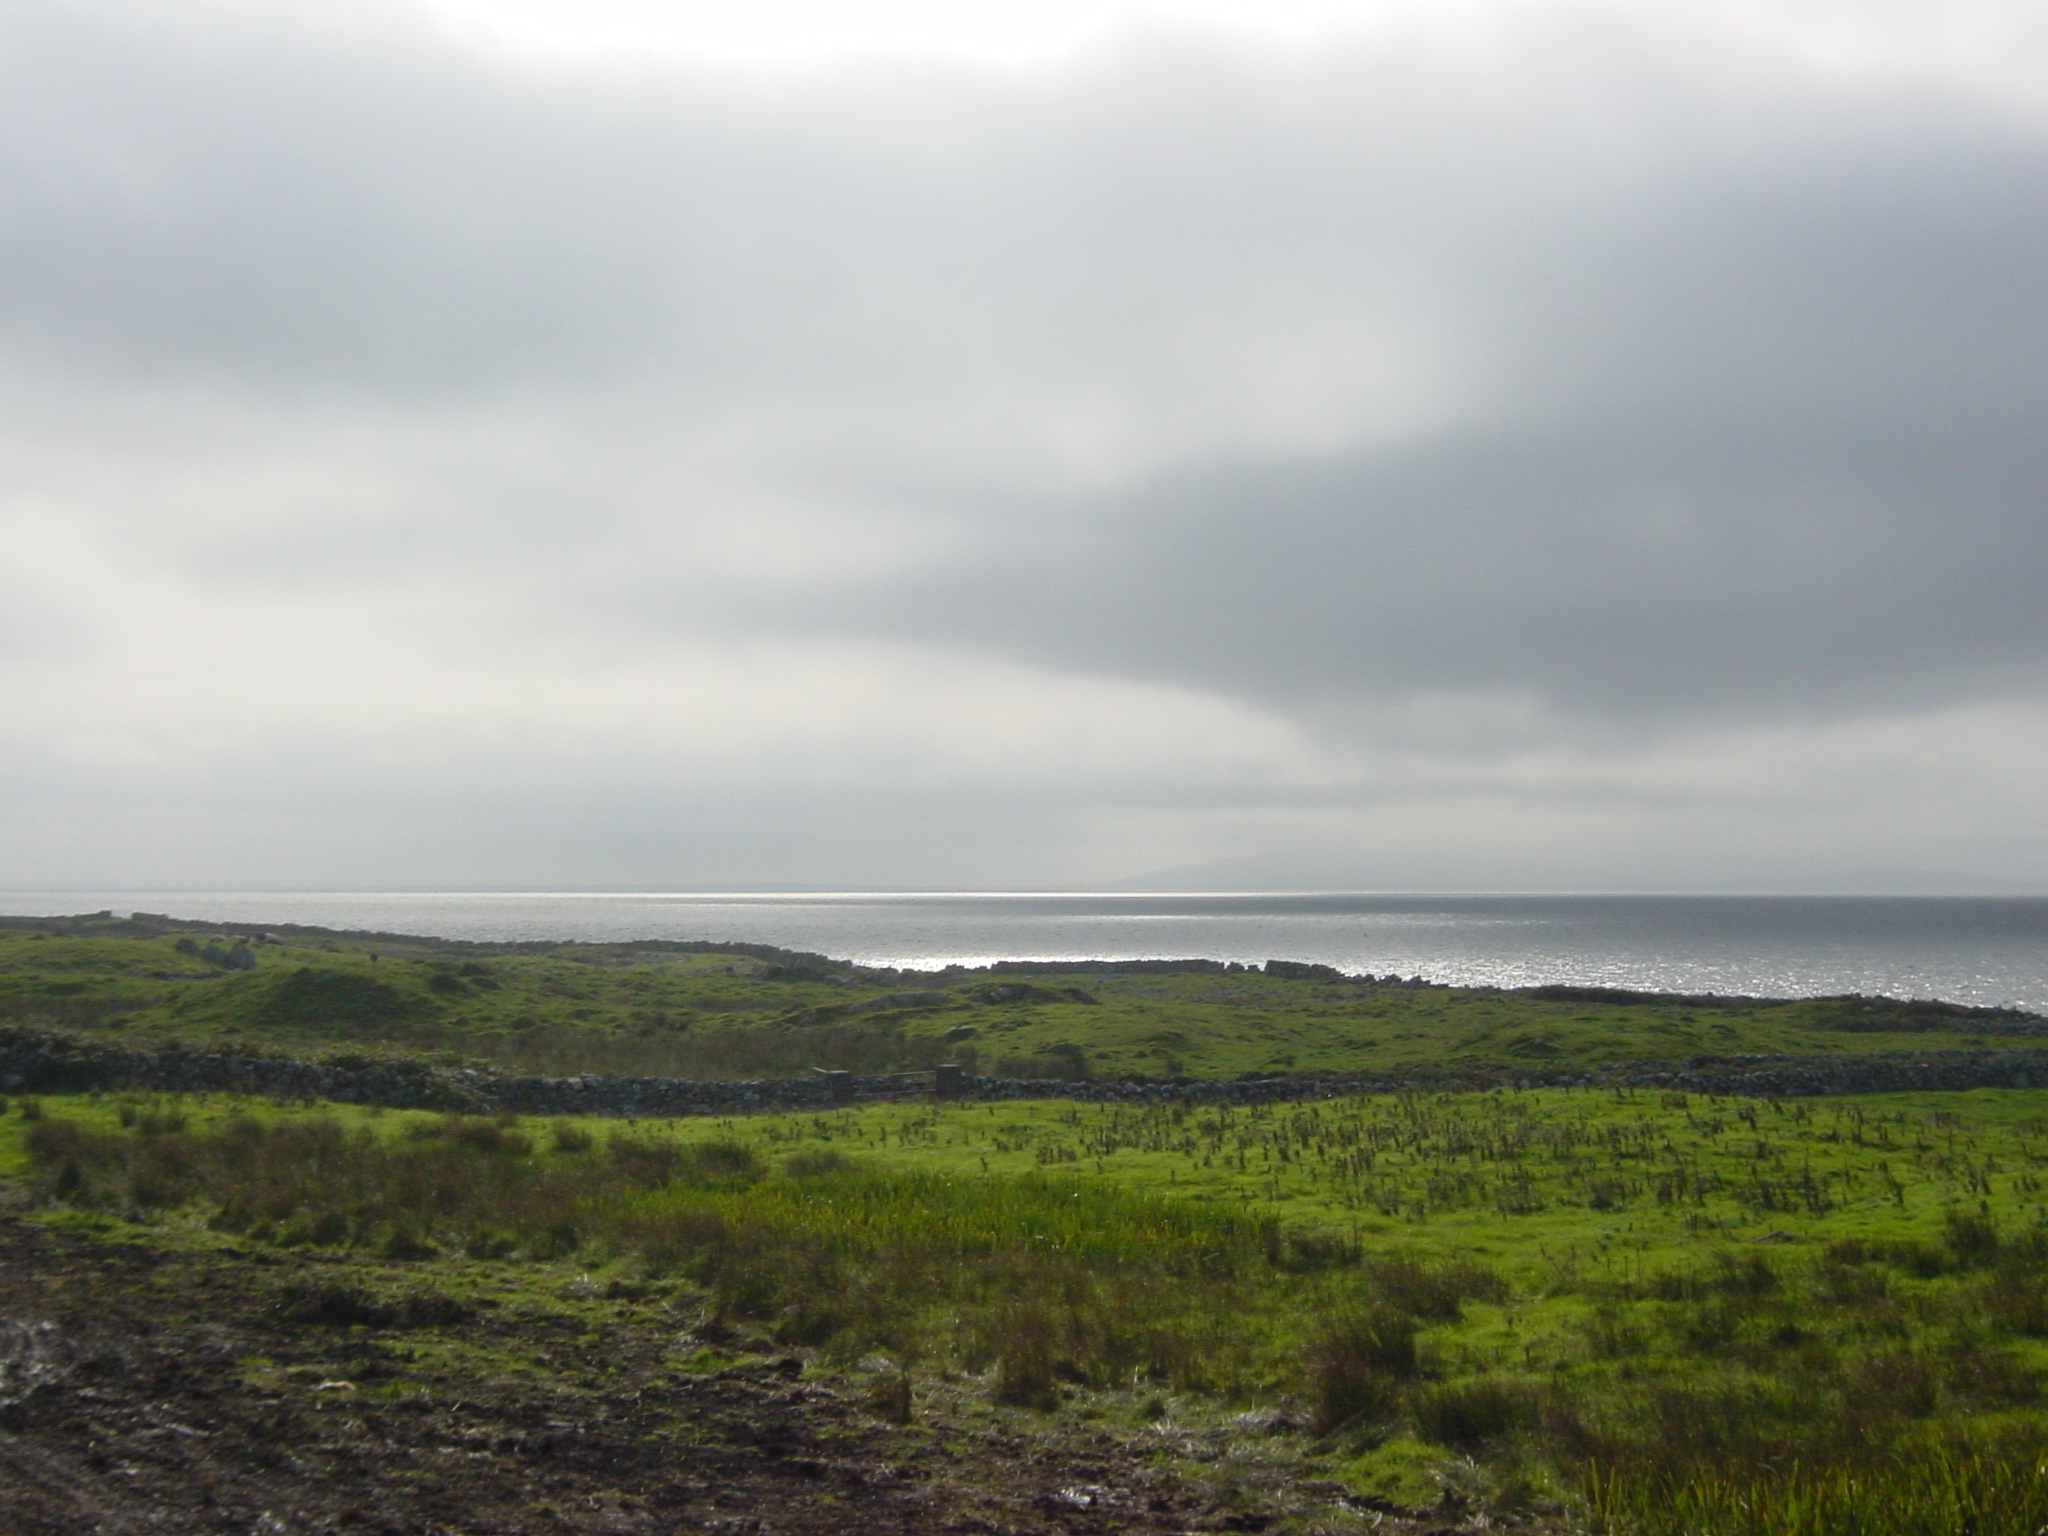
(37, 1061)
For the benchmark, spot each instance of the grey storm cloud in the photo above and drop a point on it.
(1683, 569)
(1647, 369)
(1742, 376)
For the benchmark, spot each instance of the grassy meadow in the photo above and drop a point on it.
(1641, 1312)
(1671, 1313)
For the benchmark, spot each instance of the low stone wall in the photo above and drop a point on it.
(1753, 1076)
(35, 1061)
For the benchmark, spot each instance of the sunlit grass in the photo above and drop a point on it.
(1694, 1315)
(1936, 1490)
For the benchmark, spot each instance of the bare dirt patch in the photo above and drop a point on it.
(170, 1390)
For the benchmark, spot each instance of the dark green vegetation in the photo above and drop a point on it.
(1644, 1312)
(746, 1011)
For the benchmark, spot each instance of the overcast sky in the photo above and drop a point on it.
(1487, 443)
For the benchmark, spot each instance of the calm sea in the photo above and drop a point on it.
(1965, 949)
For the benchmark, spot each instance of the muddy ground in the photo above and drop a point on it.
(167, 1390)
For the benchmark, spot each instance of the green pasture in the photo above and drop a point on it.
(1677, 1313)
(639, 1009)
(1673, 1314)
(1610, 1181)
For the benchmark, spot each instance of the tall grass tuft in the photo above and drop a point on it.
(1939, 1490)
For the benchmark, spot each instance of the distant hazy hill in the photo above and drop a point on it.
(1889, 882)
(1285, 872)
(1281, 872)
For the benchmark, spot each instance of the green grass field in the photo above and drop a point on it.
(1667, 1314)
(1656, 1308)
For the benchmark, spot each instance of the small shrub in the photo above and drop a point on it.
(490, 1243)
(498, 1137)
(328, 1229)
(1356, 1367)
(1709, 1327)
(1299, 1252)
(63, 1146)
(748, 1292)
(1921, 1260)
(337, 1305)
(1845, 1285)
(1890, 1384)
(1996, 1376)
(1613, 1335)
(558, 1241)
(1748, 1275)
(722, 1159)
(812, 1320)
(814, 1165)
(332, 1306)
(1437, 1293)
(642, 1161)
(1971, 1237)
(1737, 1276)
(405, 1244)
(432, 1309)
(1027, 1372)
(2015, 1298)
(890, 1398)
(1471, 1415)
